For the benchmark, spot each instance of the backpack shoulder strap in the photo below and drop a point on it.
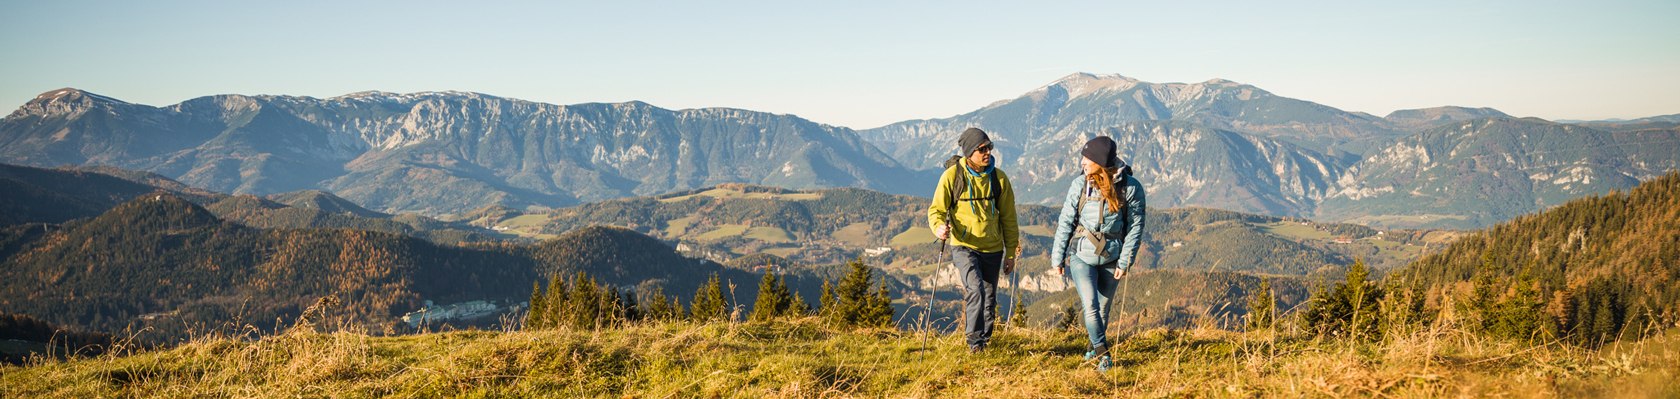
(996, 187)
(959, 184)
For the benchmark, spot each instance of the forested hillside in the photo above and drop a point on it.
(163, 263)
(1591, 270)
(51, 196)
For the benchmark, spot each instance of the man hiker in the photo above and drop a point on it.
(974, 208)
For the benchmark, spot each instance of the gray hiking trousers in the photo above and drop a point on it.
(980, 277)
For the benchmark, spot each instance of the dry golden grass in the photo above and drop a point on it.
(804, 358)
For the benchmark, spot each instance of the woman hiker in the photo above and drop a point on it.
(1103, 214)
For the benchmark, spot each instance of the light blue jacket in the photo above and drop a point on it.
(1125, 233)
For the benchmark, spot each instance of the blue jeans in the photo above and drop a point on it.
(1096, 292)
(980, 277)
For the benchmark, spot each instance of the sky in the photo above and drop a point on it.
(858, 64)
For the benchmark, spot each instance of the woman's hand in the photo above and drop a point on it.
(1120, 272)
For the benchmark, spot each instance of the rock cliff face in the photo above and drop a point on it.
(1480, 172)
(443, 153)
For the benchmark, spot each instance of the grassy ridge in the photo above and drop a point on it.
(802, 358)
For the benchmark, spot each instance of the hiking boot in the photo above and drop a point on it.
(976, 349)
(1104, 363)
(1090, 354)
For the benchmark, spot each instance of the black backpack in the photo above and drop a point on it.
(962, 184)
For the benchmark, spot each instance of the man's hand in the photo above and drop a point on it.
(1061, 270)
(1120, 272)
(1009, 266)
(942, 232)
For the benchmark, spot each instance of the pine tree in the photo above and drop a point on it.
(585, 302)
(826, 305)
(537, 309)
(1351, 308)
(555, 311)
(799, 307)
(770, 302)
(708, 302)
(1261, 307)
(1018, 316)
(791, 304)
(674, 309)
(632, 308)
(851, 303)
(659, 307)
(1361, 297)
(1071, 317)
(879, 312)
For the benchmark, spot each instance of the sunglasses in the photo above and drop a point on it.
(985, 148)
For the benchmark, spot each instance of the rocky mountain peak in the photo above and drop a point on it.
(391, 97)
(1083, 83)
(63, 102)
(1425, 117)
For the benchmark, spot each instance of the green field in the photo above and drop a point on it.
(782, 251)
(768, 234)
(915, 235)
(1402, 221)
(1396, 249)
(729, 193)
(722, 232)
(856, 235)
(1296, 231)
(529, 226)
(679, 227)
(1041, 231)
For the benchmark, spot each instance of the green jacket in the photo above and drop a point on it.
(979, 224)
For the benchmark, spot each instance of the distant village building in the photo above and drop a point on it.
(877, 251)
(459, 311)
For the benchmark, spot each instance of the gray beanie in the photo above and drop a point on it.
(971, 140)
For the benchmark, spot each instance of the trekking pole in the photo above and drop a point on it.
(1014, 287)
(927, 315)
(1015, 292)
(1125, 288)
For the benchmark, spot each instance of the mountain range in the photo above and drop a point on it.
(1218, 144)
(441, 153)
(1228, 145)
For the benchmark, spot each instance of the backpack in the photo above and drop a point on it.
(962, 184)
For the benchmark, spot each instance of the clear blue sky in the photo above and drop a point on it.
(856, 64)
